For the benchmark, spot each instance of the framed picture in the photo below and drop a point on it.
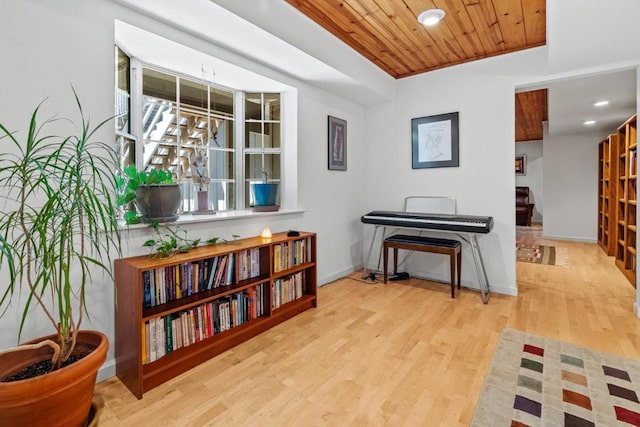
(434, 141)
(521, 165)
(337, 142)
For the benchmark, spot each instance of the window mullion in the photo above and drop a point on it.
(239, 123)
(136, 108)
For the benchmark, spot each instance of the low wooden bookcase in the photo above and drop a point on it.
(174, 313)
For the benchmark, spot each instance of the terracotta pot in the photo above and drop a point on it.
(60, 398)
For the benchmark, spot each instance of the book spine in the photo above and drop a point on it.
(230, 267)
(168, 334)
(146, 283)
(143, 341)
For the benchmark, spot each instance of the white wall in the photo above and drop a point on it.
(533, 177)
(592, 33)
(55, 44)
(570, 181)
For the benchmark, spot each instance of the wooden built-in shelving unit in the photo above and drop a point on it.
(626, 195)
(175, 313)
(607, 173)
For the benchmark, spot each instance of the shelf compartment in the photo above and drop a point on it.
(199, 298)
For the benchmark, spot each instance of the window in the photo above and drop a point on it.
(187, 127)
(190, 127)
(125, 142)
(262, 140)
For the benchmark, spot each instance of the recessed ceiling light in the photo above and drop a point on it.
(601, 103)
(431, 17)
(590, 122)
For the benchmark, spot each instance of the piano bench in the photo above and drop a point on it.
(453, 248)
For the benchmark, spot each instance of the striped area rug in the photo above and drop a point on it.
(536, 381)
(536, 254)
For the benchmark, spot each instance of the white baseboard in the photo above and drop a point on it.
(572, 238)
(338, 275)
(107, 370)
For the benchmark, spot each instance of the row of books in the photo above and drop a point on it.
(633, 155)
(249, 264)
(289, 254)
(173, 282)
(287, 289)
(165, 334)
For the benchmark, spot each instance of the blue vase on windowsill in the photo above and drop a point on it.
(265, 196)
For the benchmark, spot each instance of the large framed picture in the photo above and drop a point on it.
(434, 141)
(337, 142)
(521, 164)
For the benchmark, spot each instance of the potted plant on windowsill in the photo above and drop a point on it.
(156, 195)
(265, 194)
(58, 229)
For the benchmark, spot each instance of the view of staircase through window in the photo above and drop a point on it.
(181, 117)
(216, 141)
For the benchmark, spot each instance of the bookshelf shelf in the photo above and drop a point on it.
(625, 252)
(174, 313)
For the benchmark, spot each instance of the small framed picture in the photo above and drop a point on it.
(521, 165)
(337, 142)
(434, 141)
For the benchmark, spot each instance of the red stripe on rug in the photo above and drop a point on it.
(627, 416)
(533, 350)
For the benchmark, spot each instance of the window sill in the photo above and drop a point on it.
(233, 215)
(223, 216)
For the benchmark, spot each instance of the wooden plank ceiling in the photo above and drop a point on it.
(388, 34)
(531, 111)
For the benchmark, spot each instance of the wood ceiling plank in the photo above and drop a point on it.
(531, 109)
(390, 37)
(462, 28)
(406, 26)
(331, 15)
(387, 33)
(438, 33)
(535, 21)
(484, 18)
(511, 21)
(386, 56)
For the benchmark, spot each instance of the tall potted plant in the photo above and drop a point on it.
(58, 228)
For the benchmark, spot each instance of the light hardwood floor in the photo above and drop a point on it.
(404, 353)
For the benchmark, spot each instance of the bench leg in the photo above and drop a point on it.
(459, 265)
(452, 267)
(395, 261)
(385, 262)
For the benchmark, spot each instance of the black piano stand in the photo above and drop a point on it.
(470, 238)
